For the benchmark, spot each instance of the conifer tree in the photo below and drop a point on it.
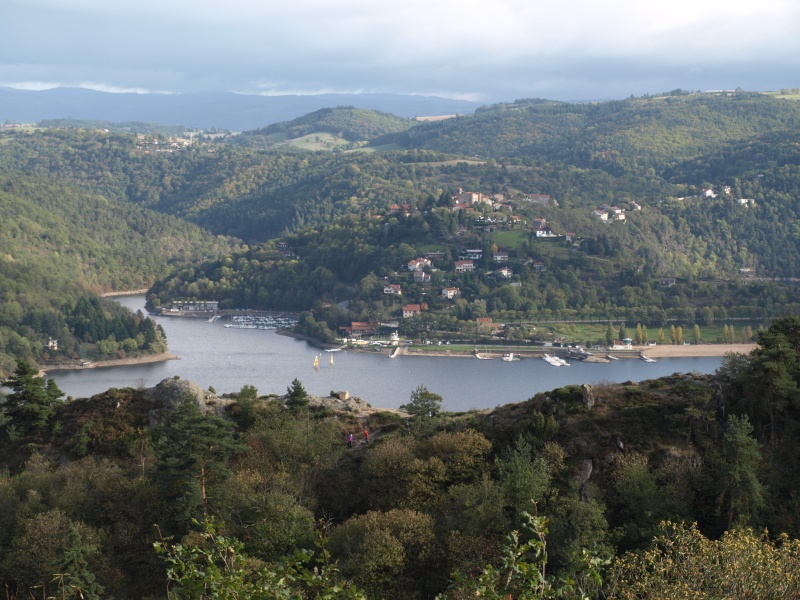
(30, 406)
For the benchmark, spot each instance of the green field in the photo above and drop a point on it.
(317, 141)
(789, 94)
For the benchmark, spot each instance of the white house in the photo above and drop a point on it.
(500, 256)
(418, 264)
(411, 310)
(393, 289)
(545, 232)
(450, 293)
(473, 254)
(422, 277)
(463, 266)
(626, 344)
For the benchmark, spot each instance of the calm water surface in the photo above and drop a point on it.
(227, 359)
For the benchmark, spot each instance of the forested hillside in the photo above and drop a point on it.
(621, 137)
(176, 488)
(60, 246)
(701, 189)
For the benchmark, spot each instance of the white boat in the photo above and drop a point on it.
(608, 356)
(555, 361)
(509, 356)
(551, 360)
(647, 358)
(331, 359)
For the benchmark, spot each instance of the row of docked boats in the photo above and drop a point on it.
(264, 322)
(554, 360)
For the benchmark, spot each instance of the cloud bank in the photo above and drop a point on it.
(460, 49)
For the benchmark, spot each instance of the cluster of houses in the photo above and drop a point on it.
(469, 200)
(711, 193)
(465, 264)
(150, 144)
(608, 213)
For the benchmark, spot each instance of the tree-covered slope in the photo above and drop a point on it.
(59, 245)
(617, 136)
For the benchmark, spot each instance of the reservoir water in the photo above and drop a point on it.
(227, 359)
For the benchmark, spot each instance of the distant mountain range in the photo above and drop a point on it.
(224, 110)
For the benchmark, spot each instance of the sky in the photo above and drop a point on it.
(481, 50)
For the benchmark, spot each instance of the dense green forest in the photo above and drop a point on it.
(133, 492)
(61, 246)
(623, 136)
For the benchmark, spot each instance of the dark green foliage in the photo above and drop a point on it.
(741, 492)
(193, 452)
(30, 407)
(297, 395)
(212, 566)
(423, 404)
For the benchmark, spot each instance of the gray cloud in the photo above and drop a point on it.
(475, 49)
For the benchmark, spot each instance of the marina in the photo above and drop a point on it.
(228, 358)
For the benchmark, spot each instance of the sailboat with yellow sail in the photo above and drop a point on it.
(316, 362)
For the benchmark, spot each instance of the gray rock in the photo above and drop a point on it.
(588, 396)
(174, 391)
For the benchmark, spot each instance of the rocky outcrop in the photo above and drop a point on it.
(588, 396)
(174, 391)
(341, 402)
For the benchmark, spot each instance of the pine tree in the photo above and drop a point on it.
(77, 576)
(194, 449)
(31, 405)
(609, 335)
(298, 397)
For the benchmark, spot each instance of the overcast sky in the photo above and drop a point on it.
(484, 50)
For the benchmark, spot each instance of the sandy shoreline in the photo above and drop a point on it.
(695, 351)
(117, 362)
(665, 351)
